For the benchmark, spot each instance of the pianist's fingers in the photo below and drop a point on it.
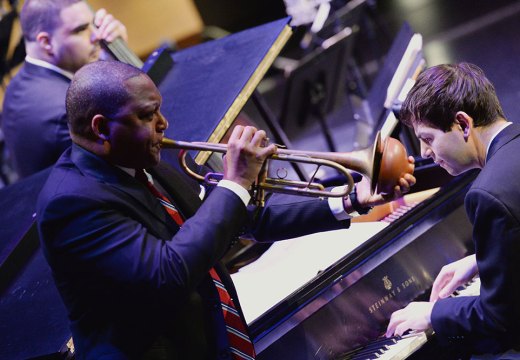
(452, 276)
(441, 286)
(415, 316)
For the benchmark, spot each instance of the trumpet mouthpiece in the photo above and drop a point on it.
(169, 143)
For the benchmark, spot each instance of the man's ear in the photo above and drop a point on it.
(100, 128)
(44, 41)
(465, 122)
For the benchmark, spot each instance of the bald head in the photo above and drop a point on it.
(97, 88)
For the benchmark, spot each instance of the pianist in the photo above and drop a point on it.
(138, 275)
(455, 113)
(60, 37)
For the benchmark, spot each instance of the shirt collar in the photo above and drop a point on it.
(202, 193)
(49, 66)
(495, 135)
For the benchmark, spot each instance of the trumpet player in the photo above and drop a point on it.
(136, 260)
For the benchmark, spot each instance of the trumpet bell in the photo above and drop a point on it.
(389, 165)
(384, 163)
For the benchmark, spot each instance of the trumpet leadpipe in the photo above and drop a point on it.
(187, 145)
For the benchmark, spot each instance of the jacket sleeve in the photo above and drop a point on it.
(290, 216)
(107, 240)
(492, 317)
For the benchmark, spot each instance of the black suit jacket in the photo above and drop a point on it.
(129, 277)
(33, 120)
(489, 322)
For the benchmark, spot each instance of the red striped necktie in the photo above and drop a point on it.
(240, 344)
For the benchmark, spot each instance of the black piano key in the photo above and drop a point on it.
(369, 351)
(379, 345)
(366, 353)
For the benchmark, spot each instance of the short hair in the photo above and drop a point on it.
(97, 88)
(42, 15)
(442, 90)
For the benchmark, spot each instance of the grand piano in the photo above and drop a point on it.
(327, 294)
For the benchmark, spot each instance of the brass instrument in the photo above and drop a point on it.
(384, 163)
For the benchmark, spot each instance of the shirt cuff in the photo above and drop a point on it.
(202, 193)
(337, 206)
(239, 190)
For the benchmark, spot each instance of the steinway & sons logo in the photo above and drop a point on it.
(387, 283)
(391, 292)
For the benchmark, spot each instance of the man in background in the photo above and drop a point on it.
(60, 37)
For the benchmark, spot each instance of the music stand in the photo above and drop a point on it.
(316, 86)
(370, 112)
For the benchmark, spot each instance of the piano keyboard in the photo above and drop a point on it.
(394, 348)
(398, 212)
(401, 347)
(472, 288)
(391, 211)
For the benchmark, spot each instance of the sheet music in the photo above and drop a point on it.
(304, 11)
(389, 125)
(405, 70)
(288, 265)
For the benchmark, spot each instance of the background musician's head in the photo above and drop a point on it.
(451, 109)
(114, 111)
(62, 32)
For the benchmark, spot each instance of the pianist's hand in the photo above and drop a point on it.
(452, 276)
(366, 199)
(415, 316)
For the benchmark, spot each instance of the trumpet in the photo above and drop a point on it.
(384, 163)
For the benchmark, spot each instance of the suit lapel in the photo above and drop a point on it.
(93, 166)
(183, 190)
